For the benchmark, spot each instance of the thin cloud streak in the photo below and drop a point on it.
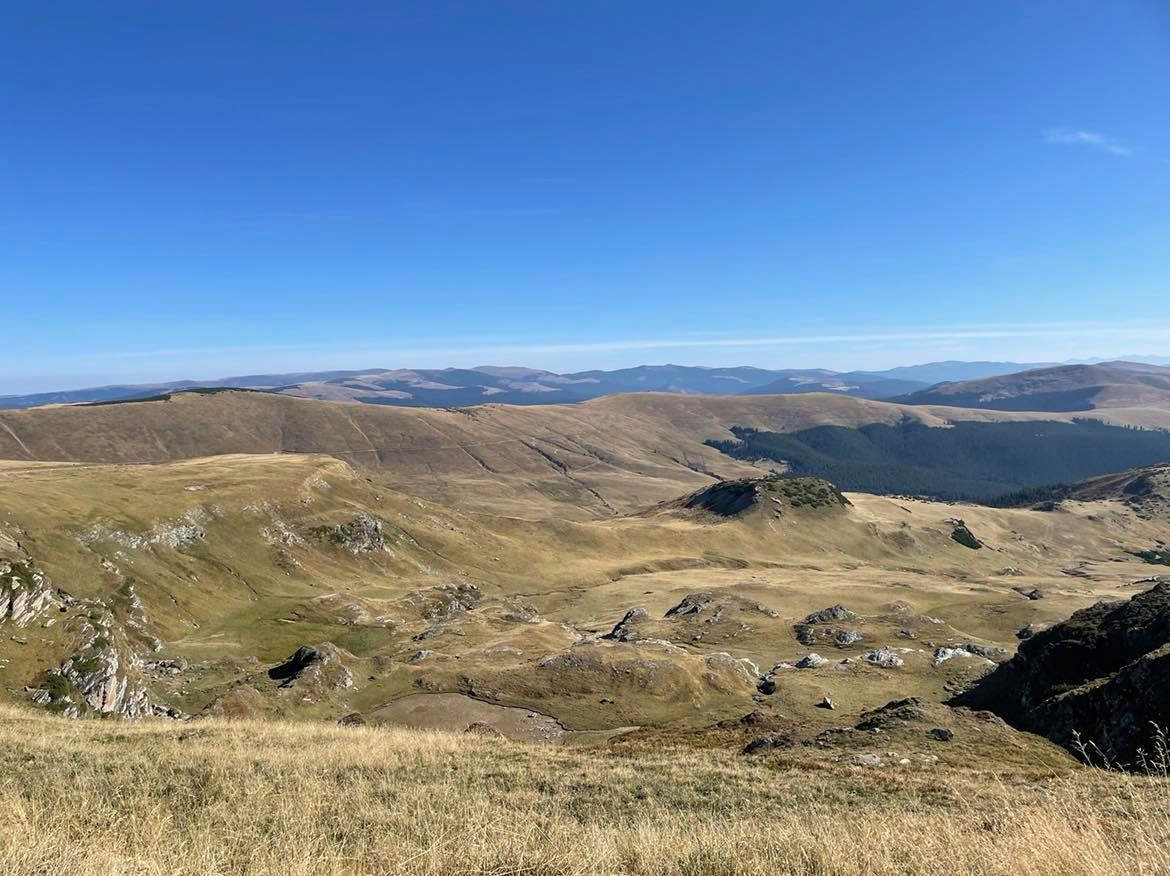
(1091, 139)
(1045, 330)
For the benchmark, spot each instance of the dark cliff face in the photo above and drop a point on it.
(1098, 684)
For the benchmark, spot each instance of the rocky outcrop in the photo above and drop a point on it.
(623, 630)
(302, 658)
(963, 535)
(773, 494)
(361, 535)
(444, 601)
(104, 674)
(809, 631)
(692, 603)
(176, 534)
(25, 594)
(943, 653)
(1095, 684)
(100, 678)
(829, 615)
(317, 666)
(885, 657)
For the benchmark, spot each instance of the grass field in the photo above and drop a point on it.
(449, 617)
(216, 797)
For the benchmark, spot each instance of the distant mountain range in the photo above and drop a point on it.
(1000, 385)
(459, 387)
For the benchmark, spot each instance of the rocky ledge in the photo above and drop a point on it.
(1095, 684)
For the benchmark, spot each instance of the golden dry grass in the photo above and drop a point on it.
(211, 797)
(237, 601)
(611, 455)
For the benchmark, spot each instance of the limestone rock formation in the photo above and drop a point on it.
(25, 594)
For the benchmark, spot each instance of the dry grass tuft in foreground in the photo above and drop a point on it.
(250, 797)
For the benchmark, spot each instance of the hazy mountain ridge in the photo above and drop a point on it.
(459, 387)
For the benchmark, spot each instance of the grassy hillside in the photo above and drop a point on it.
(1059, 388)
(264, 797)
(600, 458)
(197, 577)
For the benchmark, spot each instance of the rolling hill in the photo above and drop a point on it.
(579, 586)
(1060, 388)
(189, 585)
(601, 457)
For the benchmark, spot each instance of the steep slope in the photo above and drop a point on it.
(1095, 684)
(1060, 388)
(969, 460)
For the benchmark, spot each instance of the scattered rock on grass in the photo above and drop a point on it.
(844, 638)
(833, 613)
(482, 728)
(885, 657)
(767, 743)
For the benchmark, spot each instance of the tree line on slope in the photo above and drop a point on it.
(968, 460)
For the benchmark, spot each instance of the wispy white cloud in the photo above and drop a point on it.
(1137, 331)
(1092, 139)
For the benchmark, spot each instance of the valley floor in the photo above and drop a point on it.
(246, 797)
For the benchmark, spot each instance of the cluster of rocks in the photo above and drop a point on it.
(176, 534)
(445, 602)
(25, 594)
(887, 658)
(967, 649)
(692, 603)
(104, 673)
(712, 609)
(1032, 593)
(361, 535)
(911, 716)
(813, 629)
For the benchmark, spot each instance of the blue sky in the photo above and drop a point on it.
(202, 189)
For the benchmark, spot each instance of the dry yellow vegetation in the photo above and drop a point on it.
(213, 797)
(605, 457)
(174, 588)
(253, 583)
